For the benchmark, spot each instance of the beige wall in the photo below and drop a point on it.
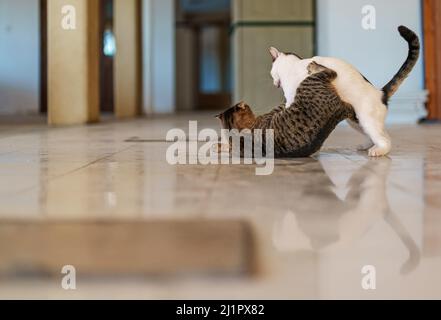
(73, 64)
(185, 69)
(252, 63)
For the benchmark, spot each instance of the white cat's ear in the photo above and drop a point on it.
(242, 105)
(275, 53)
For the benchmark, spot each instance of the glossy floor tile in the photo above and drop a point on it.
(316, 222)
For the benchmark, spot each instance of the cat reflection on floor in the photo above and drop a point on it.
(344, 221)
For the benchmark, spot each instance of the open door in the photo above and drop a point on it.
(107, 53)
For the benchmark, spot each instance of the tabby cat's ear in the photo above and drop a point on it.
(275, 53)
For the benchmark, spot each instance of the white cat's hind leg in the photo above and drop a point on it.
(368, 144)
(373, 124)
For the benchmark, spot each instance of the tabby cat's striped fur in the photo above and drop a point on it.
(301, 130)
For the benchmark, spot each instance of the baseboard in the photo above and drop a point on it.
(407, 107)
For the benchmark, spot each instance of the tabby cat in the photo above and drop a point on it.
(301, 130)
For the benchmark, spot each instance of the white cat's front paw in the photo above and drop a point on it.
(378, 152)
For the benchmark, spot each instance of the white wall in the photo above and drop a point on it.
(159, 56)
(19, 56)
(379, 53)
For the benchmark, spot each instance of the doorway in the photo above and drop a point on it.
(107, 54)
(43, 56)
(203, 60)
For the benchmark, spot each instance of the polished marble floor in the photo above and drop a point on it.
(315, 222)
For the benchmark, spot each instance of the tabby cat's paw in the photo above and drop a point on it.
(221, 148)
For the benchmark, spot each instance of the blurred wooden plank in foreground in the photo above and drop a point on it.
(125, 249)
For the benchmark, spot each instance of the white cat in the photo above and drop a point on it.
(370, 103)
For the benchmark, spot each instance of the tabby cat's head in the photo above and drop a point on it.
(239, 116)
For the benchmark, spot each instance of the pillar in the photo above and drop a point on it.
(127, 65)
(73, 61)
